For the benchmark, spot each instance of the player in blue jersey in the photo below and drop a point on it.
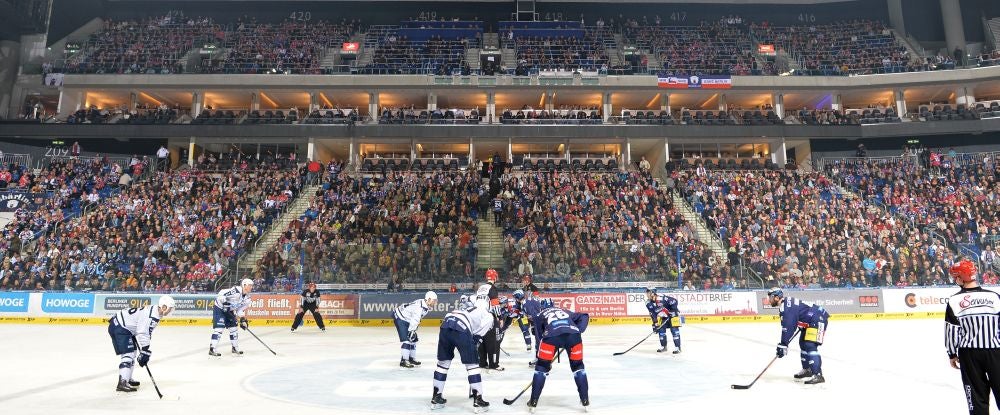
(517, 313)
(559, 329)
(531, 307)
(665, 314)
(462, 329)
(812, 320)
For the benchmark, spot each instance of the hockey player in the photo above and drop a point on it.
(407, 318)
(309, 302)
(531, 307)
(971, 339)
(517, 313)
(230, 304)
(663, 310)
(560, 329)
(812, 320)
(137, 324)
(461, 329)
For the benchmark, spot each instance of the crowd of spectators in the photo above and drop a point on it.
(573, 115)
(154, 45)
(710, 48)
(586, 226)
(394, 115)
(290, 47)
(175, 232)
(400, 227)
(954, 195)
(854, 47)
(562, 53)
(797, 230)
(436, 55)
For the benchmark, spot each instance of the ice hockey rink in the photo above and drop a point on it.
(871, 367)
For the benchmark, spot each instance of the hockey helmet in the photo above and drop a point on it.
(547, 303)
(491, 275)
(650, 290)
(166, 301)
(518, 295)
(776, 292)
(462, 299)
(246, 281)
(430, 295)
(963, 271)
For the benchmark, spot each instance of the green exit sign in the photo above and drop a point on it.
(58, 143)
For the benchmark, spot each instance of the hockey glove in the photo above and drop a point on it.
(656, 327)
(782, 350)
(244, 323)
(144, 356)
(413, 337)
(478, 340)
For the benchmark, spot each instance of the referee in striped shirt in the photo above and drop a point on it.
(972, 337)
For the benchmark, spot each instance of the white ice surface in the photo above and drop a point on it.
(871, 367)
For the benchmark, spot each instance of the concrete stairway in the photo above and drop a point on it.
(279, 226)
(508, 58)
(491, 41)
(705, 235)
(994, 33)
(490, 240)
(472, 58)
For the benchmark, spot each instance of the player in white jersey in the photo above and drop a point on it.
(461, 329)
(230, 304)
(132, 326)
(407, 318)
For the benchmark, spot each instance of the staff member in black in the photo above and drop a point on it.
(972, 337)
(309, 302)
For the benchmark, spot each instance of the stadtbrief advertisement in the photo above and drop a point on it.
(909, 300)
(696, 303)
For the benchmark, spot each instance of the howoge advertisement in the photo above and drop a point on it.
(736, 303)
(834, 301)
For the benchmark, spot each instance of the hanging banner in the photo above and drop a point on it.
(767, 50)
(695, 82)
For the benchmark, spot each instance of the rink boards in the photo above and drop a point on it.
(627, 307)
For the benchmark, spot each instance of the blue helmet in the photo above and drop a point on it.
(547, 303)
(776, 292)
(518, 295)
(650, 290)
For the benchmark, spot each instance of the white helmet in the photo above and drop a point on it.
(247, 281)
(168, 301)
(430, 296)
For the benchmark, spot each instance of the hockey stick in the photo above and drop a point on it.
(261, 341)
(150, 372)
(641, 341)
(511, 401)
(741, 387)
(504, 351)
